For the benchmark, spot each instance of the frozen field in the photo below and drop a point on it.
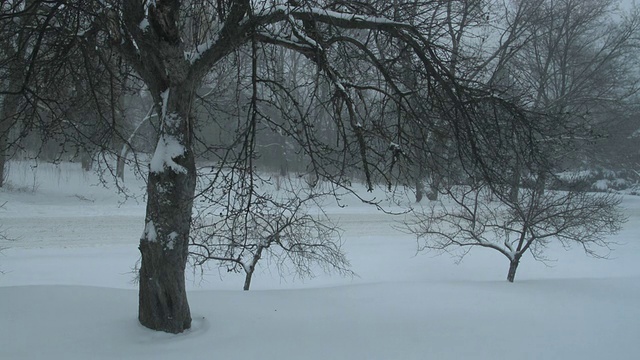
(67, 291)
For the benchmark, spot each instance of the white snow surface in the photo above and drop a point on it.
(67, 291)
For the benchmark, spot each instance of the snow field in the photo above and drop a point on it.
(67, 291)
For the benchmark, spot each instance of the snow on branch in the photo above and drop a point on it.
(238, 29)
(347, 20)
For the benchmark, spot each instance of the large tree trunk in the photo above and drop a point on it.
(513, 267)
(164, 245)
(157, 54)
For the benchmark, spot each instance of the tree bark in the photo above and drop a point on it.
(434, 187)
(164, 245)
(513, 266)
(514, 191)
(156, 52)
(419, 190)
(252, 268)
(247, 279)
(86, 159)
(120, 163)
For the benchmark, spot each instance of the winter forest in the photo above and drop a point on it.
(293, 179)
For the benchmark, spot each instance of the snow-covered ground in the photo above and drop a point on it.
(67, 291)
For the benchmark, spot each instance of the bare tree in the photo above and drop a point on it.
(473, 217)
(15, 46)
(150, 37)
(275, 226)
(59, 93)
(334, 39)
(350, 50)
(578, 67)
(485, 211)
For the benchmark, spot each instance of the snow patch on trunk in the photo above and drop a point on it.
(168, 149)
(150, 233)
(194, 55)
(172, 240)
(144, 24)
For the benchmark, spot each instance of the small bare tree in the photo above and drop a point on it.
(475, 216)
(275, 227)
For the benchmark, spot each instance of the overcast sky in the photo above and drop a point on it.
(626, 3)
